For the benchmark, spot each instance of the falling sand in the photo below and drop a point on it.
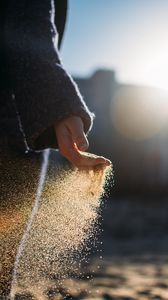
(64, 218)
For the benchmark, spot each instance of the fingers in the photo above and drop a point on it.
(72, 143)
(77, 132)
(65, 143)
(71, 138)
(92, 160)
(83, 161)
(78, 158)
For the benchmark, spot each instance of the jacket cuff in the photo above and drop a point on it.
(64, 100)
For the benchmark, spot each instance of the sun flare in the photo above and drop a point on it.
(158, 76)
(140, 113)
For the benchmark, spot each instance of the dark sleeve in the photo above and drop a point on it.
(44, 92)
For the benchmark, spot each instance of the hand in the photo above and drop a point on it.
(72, 143)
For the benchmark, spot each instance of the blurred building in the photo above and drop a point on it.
(130, 128)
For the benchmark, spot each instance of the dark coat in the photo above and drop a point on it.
(35, 89)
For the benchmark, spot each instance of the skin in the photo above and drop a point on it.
(73, 144)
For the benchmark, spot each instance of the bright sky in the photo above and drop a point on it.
(130, 36)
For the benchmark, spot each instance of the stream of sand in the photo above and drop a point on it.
(64, 217)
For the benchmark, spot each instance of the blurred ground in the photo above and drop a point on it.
(120, 278)
(115, 278)
(132, 260)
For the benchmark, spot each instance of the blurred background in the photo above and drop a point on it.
(117, 53)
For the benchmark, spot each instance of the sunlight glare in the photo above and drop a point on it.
(139, 113)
